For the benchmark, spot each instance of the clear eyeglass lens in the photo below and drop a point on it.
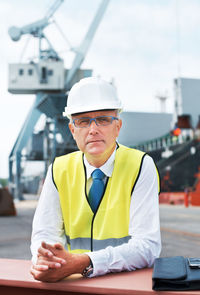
(103, 121)
(100, 121)
(82, 122)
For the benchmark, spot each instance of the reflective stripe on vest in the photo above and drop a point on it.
(85, 230)
(84, 243)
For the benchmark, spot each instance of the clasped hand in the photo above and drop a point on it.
(55, 263)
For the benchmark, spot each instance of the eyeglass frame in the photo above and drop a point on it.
(94, 119)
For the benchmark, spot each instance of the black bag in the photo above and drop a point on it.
(175, 274)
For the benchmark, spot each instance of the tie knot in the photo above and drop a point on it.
(97, 174)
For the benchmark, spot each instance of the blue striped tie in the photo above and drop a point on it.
(97, 189)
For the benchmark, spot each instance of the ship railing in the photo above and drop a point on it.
(165, 142)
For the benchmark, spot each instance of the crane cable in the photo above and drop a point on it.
(24, 48)
(62, 34)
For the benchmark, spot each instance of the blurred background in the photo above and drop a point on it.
(150, 51)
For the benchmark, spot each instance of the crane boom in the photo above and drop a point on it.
(82, 50)
(34, 28)
(53, 8)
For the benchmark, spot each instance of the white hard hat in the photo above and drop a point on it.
(92, 94)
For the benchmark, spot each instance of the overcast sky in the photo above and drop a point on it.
(136, 45)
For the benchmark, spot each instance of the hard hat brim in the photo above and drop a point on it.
(71, 111)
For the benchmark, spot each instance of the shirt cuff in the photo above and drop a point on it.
(34, 260)
(100, 262)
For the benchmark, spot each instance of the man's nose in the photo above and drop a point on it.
(93, 127)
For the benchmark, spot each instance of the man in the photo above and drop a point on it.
(98, 211)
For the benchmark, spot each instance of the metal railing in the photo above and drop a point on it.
(166, 141)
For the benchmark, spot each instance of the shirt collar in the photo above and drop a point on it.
(107, 167)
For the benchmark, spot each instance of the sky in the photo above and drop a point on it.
(142, 45)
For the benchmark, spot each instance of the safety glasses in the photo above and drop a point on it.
(85, 122)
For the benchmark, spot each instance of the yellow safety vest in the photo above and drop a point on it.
(109, 226)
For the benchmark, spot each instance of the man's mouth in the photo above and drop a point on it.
(94, 141)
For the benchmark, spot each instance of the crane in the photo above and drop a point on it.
(50, 97)
(36, 29)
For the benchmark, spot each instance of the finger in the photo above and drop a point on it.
(52, 248)
(51, 251)
(59, 260)
(53, 262)
(47, 246)
(43, 244)
(58, 246)
(55, 248)
(50, 259)
(35, 273)
(43, 251)
(42, 266)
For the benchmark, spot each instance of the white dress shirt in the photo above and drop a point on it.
(144, 228)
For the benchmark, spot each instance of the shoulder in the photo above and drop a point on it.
(127, 151)
(149, 172)
(129, 156)
(148, 161)
(67, 157)
(65, 163)
(147, 169)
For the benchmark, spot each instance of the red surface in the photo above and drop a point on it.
(15, 276)
(174, 198)
(195, 198)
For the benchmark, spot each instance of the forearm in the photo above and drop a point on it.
(78, 263)
(135, 254)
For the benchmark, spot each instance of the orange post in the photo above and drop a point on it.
(186, 199)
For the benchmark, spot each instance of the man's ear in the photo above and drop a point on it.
(119, 125)
(71, 128)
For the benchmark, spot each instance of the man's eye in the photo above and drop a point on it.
(103, 120)
(83, 122)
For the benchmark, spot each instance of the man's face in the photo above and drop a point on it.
(96, 140)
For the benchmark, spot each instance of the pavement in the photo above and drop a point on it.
(180, 230)
(16, 230)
